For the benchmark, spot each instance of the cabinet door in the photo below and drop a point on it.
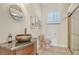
(28, 50)
(21, 51)
(5, 51)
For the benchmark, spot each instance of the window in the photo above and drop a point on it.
(53, 17)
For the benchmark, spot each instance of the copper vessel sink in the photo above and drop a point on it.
(23, 37)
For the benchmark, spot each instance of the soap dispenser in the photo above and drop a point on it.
(25, 30)
(10, 38)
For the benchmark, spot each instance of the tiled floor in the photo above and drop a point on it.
(54, 51)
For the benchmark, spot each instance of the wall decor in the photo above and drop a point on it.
(35, 22)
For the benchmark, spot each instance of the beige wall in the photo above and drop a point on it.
(60, 38)
(36, 11)
(9, 25)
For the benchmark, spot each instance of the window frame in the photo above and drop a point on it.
(54, 14)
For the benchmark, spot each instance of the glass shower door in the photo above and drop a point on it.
(75, 32)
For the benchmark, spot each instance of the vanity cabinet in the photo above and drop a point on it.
(27, 49)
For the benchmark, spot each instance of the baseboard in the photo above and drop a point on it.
(58, 45)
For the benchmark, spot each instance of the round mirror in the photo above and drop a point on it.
(16, 12)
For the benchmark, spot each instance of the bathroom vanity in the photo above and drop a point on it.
(15, 48)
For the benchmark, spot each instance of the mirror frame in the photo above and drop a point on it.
(15, 16)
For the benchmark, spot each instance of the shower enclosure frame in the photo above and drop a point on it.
(69, 20)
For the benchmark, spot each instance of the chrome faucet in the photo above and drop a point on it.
(25, 30)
